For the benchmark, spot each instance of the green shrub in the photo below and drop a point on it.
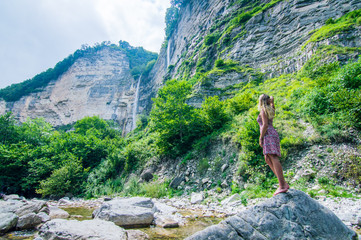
(330, 21)
(214, 113)
(350, 76)
(242, 102)
(243, 17)
(154, 189)
(212, 38)
(67, 179)
(323, 180)
(203, 165)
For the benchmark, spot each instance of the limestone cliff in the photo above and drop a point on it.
(271, 42)
(96, 84)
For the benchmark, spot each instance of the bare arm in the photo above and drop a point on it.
(265, 124)
(263, 128)
(272, 102)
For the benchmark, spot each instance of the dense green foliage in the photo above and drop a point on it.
(177, 124)
(138, 59)
(35, 157)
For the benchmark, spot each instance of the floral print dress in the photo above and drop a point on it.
(271, 140)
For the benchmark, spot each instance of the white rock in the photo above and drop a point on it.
(56, 212)
(233, 198)
(205, 180)
(196, 198)
(89, 229)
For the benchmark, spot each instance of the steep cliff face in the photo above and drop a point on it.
(97, 84)
(271, 42)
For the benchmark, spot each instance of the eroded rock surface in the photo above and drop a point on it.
(292, 215)
(132, 212)
(89, 229)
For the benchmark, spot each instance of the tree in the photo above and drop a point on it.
(177, 123)
(8, 130)
(171, 18)
(214, 112)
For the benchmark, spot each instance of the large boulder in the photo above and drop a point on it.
(291, 215)
(55, 212)
(176, 182)
(7, 222)
(33, 206)
(129, 212)
(89, 229)
(147, 175)
(10, 206)
(28, 221)
(11, 197)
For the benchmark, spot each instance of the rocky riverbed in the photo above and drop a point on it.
(175, 218)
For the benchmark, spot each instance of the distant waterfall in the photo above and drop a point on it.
(168, 53)
(135, 105)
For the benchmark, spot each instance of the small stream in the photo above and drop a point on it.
(82, 213)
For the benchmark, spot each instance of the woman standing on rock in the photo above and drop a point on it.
(269, 140)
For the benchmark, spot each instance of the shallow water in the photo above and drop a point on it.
(190, 228)
(79, 213)
(194, 224)
(19, 235)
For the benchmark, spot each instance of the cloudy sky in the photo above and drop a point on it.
(36, 34)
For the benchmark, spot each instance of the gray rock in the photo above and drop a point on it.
(205, 180)
(45, 209)
(28, 221)
(291, 215)
(33, 206)
(10, 206)
(11, 197)
(44, 217)
(164, 208)
(136, 235)
(233, 198)
(224, 184)
(132, 212)
(56, 212)
(166, 221)
(7, 222)
(224, 167)
(196, 198)
(147, 175)
(176, 182)
(89, 229)
(64, 201)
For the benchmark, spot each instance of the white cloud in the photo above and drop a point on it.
(35, 35)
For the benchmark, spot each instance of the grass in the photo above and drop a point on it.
(341, 25)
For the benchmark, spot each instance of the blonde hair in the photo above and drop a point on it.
(265, 106)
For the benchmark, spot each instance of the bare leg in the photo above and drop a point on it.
(269, 162)
(279, 173)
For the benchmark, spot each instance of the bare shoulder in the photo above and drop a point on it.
(263, 115)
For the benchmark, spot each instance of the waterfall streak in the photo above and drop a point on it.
(135, 105)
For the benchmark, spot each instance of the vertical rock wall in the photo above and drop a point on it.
(95, 85)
